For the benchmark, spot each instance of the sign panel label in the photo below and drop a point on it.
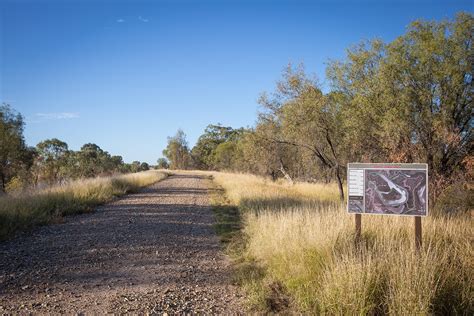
(395, 189)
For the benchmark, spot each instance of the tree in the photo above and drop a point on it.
(92, 160)
(162, 163)
(14, 154)
(300, 115)
(126, 168)
(204, 152)
(224, 155)
(411, 100)
(144, 166)
(434, 64)
(264, 155)
(117, 164)
(177, 151)
(51, 159)
(135, 166)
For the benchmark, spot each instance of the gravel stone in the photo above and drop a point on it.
(153, 252)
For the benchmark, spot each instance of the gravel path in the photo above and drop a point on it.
(151, 252)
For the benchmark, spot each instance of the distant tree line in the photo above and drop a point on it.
(410, 100)
(51, 161)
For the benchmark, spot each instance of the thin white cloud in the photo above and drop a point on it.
(57, 116)
(120, 20)
(143, 19)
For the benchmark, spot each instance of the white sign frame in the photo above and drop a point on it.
(356, 184)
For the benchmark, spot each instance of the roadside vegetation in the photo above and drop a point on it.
(51, 161)
(296, 251)
(408, 100)
(26, 209)
(405, 101)
(43, 183)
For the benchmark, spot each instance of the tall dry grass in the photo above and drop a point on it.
(303, 241)
(27, 209)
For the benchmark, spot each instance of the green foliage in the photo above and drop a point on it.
(92, 160)
(302, 117)
(116, 163)
(224, 155)
(412, 99)
(51, 159)
(14, 154)
(135, 166)
(50, 162)
(16, 184)
(177, 151)
(215, 148)
(162, 163)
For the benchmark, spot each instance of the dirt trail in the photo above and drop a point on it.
(150, 252)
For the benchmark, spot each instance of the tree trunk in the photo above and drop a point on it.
(273, 175)
(285, 174)
(339, 184)
(2, 178)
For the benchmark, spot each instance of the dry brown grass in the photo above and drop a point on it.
(303, 239)
(28, 209)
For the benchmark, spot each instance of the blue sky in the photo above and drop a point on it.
(127, 74)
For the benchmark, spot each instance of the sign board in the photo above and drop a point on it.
(387, 188)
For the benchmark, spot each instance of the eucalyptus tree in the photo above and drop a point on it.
(144, 166)
(177, 151)
(162, 163)
(215, 147)
(52, 159)
(14, 154)
(92, 160)
(135, 166)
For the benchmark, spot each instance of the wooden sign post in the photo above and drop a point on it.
(358, 230)
(388, 189)
(418, 233)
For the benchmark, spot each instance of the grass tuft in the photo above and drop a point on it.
(28, 209)
(299, 241)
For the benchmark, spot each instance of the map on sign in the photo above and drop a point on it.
(397, 189)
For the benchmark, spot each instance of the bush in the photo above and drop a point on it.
(456, 199)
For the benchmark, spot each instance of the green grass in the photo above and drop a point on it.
(228, 220)
(26, 210)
